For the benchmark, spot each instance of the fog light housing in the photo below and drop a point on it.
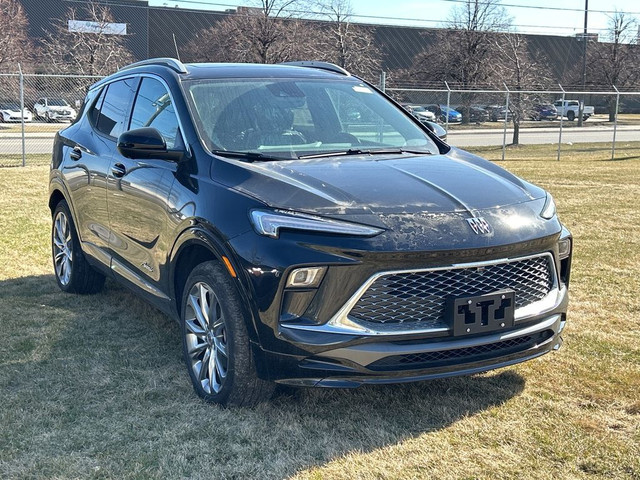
(307, 277)
(564, 248)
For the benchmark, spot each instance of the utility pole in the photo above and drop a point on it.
(584, 63)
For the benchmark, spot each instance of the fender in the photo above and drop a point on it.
(56, 184)
(199, 234)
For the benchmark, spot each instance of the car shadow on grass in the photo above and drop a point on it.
(95, 387)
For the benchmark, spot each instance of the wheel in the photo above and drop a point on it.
(73, 272)
(584, 118)
(47, 117)
(215, 341)
(571, 115)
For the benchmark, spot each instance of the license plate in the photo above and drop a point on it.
(481, 313)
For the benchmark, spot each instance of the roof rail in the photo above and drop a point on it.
(320, 65)
(172, 63)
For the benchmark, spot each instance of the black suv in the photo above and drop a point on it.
(303, 228)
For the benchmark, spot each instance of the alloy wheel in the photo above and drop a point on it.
(62, 248)
(206, 338)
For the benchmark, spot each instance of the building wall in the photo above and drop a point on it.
(135, 13)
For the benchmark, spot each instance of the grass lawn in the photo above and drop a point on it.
(94, 387)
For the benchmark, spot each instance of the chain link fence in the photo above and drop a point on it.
(612, 118)
(50, 102)
(47, 102)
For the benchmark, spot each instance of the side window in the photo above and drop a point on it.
(94, 114)
(153, 108)
(115, 106)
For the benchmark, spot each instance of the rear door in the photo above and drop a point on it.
(138, 194)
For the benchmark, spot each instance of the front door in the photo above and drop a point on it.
(138, 194)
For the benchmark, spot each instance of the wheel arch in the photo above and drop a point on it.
(195, 246)
(55, 197)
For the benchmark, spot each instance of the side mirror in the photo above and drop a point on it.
(146, 142)
(440, 132)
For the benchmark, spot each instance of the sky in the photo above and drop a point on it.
(551, 17)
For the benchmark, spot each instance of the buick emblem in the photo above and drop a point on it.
(479, 225)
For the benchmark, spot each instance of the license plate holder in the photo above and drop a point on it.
(477, 314)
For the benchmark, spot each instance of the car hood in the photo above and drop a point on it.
(60, 109)
(358, 185)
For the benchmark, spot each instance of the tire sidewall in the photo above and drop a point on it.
(238, 353)
(75, 245)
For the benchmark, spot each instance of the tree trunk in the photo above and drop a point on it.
(612, 110)
(516, 133)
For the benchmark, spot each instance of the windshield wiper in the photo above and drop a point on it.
(247, 156)
(358, 151)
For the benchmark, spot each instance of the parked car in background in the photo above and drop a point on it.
(421, 113)
(442, 112)
(478, 114)
(297, 248)
(544, 112)
(10, 112)
(498, 113)
(571, 109)
(53, 109)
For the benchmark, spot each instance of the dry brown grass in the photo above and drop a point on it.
(94, 387)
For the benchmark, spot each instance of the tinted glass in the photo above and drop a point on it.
(58, 102)
(289, 118)
(94, 114)
(115, 107)
(153, 108)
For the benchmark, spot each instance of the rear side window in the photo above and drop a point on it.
(112, 107)
(153, 108)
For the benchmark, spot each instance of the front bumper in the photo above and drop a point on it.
(412, 358)
(61, 116)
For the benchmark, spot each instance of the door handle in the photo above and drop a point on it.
(76, 153)
(118, 170)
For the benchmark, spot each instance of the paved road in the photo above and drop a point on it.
(482, 137)
(11, 143)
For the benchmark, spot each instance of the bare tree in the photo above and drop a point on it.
(264, 34)
(346, 44)
(616, 61)
(15, 45)
(520, 69)
(94, 50)
(463, 53)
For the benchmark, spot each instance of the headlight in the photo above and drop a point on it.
(549, 209)
(269, 223)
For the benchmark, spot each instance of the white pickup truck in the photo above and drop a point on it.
(571, 108)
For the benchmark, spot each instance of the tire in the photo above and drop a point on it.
(571, 115)
(73, 272)
(215, 342)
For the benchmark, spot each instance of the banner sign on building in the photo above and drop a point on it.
(97, 27)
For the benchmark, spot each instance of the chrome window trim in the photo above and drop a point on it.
(135, 96)
(342, 323)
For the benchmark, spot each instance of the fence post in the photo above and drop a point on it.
(561, 119)
(24, 148)
(383, 81)
(615, 124)
(446, 115)
(504, 129)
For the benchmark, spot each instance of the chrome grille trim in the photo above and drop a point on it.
(343, 323)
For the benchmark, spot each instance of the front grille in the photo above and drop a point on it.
(419, 298)
(461, 355)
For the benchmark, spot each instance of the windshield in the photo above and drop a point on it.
(9, 106)
(57, 102)
(291, 118)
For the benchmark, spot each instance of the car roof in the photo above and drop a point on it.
(205, 71)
